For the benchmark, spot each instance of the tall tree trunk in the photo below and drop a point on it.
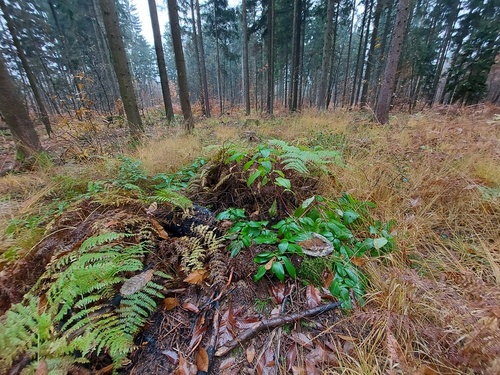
(202, 60)
(197, 55)
(347, 68)
(371, 58)
(381, 55)
(180, 65)
(361, 58)
(160, 58)
(121, 67)
(246, 73)
(294, 82)
(327, 54)
(270, 57)
(17, 118)
(333, 73)
(29, 73)
(397, 41)
(358, 57)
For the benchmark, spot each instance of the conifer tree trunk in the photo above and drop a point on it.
(327, 51)
(348, 67)
(180, 65)
(29, 73)
(270, 57)
(371, 58)
(17, 118)
(389, 80)
(202, 60)
(197, 55)
(160, 58)
(121, 67)
(246, 73)
(294, 82)
(217, 57)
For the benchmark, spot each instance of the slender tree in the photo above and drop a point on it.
(294, 83)
(389, 80)
(17, 118)
(246, 73)
(202, 60)
(270, 57)
(180, 65)
(121, 67)
(29, 73)
(327, 55)
(167, 100)
(197, 56)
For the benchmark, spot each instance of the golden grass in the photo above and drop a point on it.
(432, 305)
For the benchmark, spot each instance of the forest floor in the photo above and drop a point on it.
(431, 304)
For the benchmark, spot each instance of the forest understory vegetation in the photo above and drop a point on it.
(411, 211)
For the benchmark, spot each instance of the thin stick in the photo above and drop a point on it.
(273, 323)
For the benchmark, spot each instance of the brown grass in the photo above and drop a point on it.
(433, 305)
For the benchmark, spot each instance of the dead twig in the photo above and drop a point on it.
(273, 323)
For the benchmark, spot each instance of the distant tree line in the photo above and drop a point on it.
(260, 55)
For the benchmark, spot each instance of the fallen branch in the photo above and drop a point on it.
(273, 323)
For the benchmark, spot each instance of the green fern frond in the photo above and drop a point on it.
(172, 197)
(101, 239)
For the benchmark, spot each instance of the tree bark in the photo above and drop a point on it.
(294, 83)
(180, 65)
(327, 51)
(197, 55)
(270, 57)
(160, 57)
(347, 68)
(371, 58)
(17, 118)
(121, 67)
(217, 57)
(29, 73)
(384, 99)
(202, 60)
(246, 73)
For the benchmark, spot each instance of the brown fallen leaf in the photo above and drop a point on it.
(198, 332)
(42, 368)
(190, 307)
(172, 356)
(313, 296)
(278, 292)
(269, 264)
(170, 303)
(297, 370)
(183, 368)
(327, 278)
(196, 277)
(250, 353)
(226, 327)
(346, 338)
(266, 363)
(291, 356)
(136, 283)
(302, 339)
(227, 363)
(159, 229)
(202, 360)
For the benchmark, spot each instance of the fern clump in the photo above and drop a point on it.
(81, 311)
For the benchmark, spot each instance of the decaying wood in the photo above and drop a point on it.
(274, 323)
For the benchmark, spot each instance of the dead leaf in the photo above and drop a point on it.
(226, 327)
(159, 229)
(269, 264)
(250, 353)
(196, 277)
(302, 339)
(296, 370)
(202, 360)
(358, 261)
(426, 370)
(172, 356)
(136, 283)
(170, 303)
(327, 278)
(346, 338)
(313, 296)
(278, 293)
(111, 223)
(227, 363)
(183, 368)
(42, 368)
(311, 367)
(291, 356)
(152, 208)
(198, 332)
(190, 307)
(266, 363)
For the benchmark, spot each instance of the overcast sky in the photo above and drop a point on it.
(143, 9)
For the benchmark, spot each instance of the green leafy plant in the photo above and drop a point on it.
(84, 311)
